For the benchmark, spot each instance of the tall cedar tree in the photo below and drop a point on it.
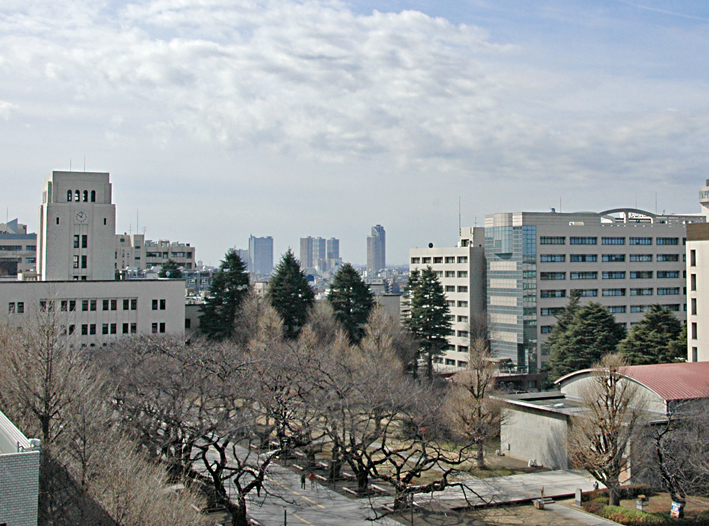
(227, 292)
(650, 340)
(581, 341)
(172, 268)
(290, 294)
(428, 317)
(351, 300)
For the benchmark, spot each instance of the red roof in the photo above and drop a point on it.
(671, 381)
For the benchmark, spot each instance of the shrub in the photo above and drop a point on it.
(631, 517)
(594, 506)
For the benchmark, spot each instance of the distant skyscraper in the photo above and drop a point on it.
(306, 252)
(333, 248)
(244, 255)
(319, 252)
(376, 249)
(261, 255)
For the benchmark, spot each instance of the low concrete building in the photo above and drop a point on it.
(19, 479)
(535, 425)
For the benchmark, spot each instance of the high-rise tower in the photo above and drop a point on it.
(376, 249)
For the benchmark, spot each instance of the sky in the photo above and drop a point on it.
(220, 119)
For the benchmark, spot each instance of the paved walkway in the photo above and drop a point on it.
(579, 515)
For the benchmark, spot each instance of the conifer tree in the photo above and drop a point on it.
(351, 300)
(650, 340)
(291, 294)
(227, 292)
(170, 269)
(428, 318)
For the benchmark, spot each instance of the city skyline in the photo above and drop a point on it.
(220, 120)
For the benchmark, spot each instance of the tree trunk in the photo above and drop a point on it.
(429, 365)
(238, 513)
(613, 492)
(362, 480)
(480, 455)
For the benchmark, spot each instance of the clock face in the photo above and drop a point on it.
(81, 217)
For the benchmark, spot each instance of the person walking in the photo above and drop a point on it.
(302, 480)
(312, 480)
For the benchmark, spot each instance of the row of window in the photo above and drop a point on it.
(452, 288)
(616, 274)
(460, 304)
(18, 248)
(607, 258)
(19, 260)
(593, 293)
(76, 196)
(85, 305)
(437, 259)
(591, 240)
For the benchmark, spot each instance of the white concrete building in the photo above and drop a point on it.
(697, 269)
(18, 249)
(134, 252)
(461, 271)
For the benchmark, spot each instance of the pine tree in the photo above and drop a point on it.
(428, 318)
(170, 269)
(589, 335)
(650, 340)
(351, 300)
(227, 292)
(291, 294)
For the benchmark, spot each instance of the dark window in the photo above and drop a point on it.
(84, 329)
(155, 304)
(693, 258)
(72, 305)
(105, 304)
(613, 292)
(641, 292)
(552, 293)
(552, 240)
(86, 196)
(76, 241)
(550, 276)
(587, 293)
(72, 328)
(162, 326)
(84, 241)
(64, 306)
(126, 304)
(125, 328)
(93, 196)
(84, 261)
(614, 275)
(84, 305)
(641, 274)
(667, 241)
(617, 309)
(114, 304)
(667, 274)
(188, 323)
(134, 304)
(133, 328)
(11, 307)
(582, 240)
(552, 258)
(20, 307)
(104, 328)
(584, 275)
(641, 241)
(155, 328)
(92, 329)
(613, 240)
(613, 258)
(584, 258)
(68, 195)
(113, 328)
(93, 305)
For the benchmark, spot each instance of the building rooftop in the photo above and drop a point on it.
(11, 439)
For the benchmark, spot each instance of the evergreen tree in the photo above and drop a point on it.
(291, 294)
(583, 340)
(170, 269)
(227, 292)
(428, 318)
(649, 340)
(351, 300)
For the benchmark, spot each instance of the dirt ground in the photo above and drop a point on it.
(662, 502)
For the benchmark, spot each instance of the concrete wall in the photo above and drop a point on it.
(535, 433)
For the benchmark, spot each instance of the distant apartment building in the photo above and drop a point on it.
(18, 249)
(261, 255)
(697, 268)
(133, 251)
(376, 249)
(461, 270)
(319, 253)
(625, 259)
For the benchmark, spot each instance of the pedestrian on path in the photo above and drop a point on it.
(302, 480)
(312, 480)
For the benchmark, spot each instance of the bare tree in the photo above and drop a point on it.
(600, 436)
(476, 416)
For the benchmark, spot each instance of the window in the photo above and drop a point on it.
(693, 258)
(104, 328)
(85, 305)
(72, 328)
(552, 293)
(450, 362)
(438, 260)
(125, 328)
(133, 328)
(614, 275)
(552, 258)
(551, 311)
(425, 260)
(694, 303)
(114, 304)
(84, 241)
(92, 329)
(462, 319)
(461, 288)
(438, 273)
(76, 261)
(641, 292)
(667, 274)
(462, 259)
(11, 307)
(694, 331)
(126, 304)
(587, 293)
(546, 329)
(76, 241)
(552, 240)
(93, 196)
(450, 259)
(667, 241)
(641, 274)
(64, 306)
(77, 196)
(20, 307)
(584, 258)
(450, 303)
(462, 304)
(462, 273)
(155, 302)
(93, 305)
(613, 292)
(30, 260)
(668, 257)
(84, 329)
(639, 308)
(674, 307)
(617, 309)
(641, 258)
(72, 305)
(84, 261)
(669, 291)
(105, 304)
(584, 275)
(641, 241)
(613, 258)
(552, 276)
(574, 240)
(69, 195)
(529, 274)
(450, 273)
(449, 288)
(694, 354)
(613, 241)
(113, 328)
(414, 261)
(154, 328)
(693, 282)
(463, 334)
(162, 327)
(188, 323)
(134, 304)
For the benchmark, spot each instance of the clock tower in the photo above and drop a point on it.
(77, 227)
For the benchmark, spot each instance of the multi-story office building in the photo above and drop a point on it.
(461, 271)
(261, 255)
(18, 249)
(245, 257)
(376, 249)
(133, 251)
(625, 259)
(306, 252)
(77, 262)
(697, 268)
(333, 248)
(317, 252)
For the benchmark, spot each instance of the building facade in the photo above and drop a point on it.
(625, 259)
(376, 249)
(461, 271)
(261, 255)
(18, 249)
